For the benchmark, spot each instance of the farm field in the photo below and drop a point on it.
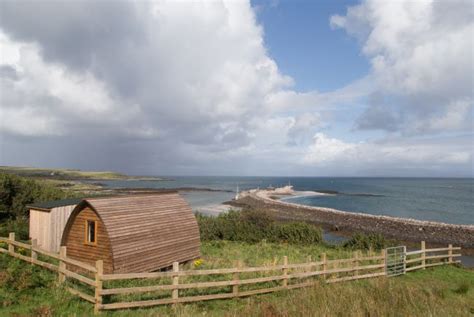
(444, 291)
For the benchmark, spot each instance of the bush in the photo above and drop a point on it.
(20, 226)
(298, 233)
(361, 241)
(254, 226)
(208, 228)
(17, 192)
(234, 226)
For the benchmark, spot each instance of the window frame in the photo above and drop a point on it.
(86, 232)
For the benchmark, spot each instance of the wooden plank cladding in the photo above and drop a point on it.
(77, 249)
(135, 233)
(47, 226)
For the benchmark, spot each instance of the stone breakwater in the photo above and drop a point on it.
(392, 227)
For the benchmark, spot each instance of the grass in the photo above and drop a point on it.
(225, 253)
(80, 188)
(441, 291)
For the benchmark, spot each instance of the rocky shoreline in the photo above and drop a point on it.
(400, 229)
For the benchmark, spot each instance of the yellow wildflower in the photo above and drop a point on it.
(197, 263)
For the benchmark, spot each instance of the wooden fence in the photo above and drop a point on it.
(58, 263)
(117, 291)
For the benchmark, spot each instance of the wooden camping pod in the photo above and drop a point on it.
(135, 233)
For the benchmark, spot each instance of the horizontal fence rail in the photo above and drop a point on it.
(118, 291)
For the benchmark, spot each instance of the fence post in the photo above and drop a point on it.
(308, 269)
(450, 253)
(34, 244)
(175, 293)
(325, 264)
(404, 259)
(285, 271)
(356, 262)
(99, 265)
(423, 255)
(62, 264)
(11, 247)
(235, 287)
(383, 254)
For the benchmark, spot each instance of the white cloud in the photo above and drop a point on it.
(421, 54)
(327, 151)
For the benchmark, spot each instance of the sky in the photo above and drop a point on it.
(284, 88)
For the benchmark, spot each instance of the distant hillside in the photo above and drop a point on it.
(67, 174)
(60, 174)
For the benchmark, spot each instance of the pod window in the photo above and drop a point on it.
(91, 232)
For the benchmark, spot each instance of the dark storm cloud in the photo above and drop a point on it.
(136, 77)
(72, 32)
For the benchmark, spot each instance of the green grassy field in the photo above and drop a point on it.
(444, 291)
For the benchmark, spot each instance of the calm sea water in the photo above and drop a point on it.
(437, 199)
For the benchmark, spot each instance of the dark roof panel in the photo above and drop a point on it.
(55, 203)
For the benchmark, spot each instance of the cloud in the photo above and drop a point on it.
(189, 88)
(155, 84)
(194, 73)
(328, 150)
(400, 155)
(302, 127)
(379, 115)
(40, 99)
(421, 54)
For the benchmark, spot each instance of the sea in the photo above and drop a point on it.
(449, 200)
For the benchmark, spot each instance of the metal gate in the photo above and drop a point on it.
(395, 261)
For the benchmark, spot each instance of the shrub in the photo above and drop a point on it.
(19, 226)
(253, 226)
(361, 241)
(298, 233)
(17, 192)
(208, 228)
(234, 226)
